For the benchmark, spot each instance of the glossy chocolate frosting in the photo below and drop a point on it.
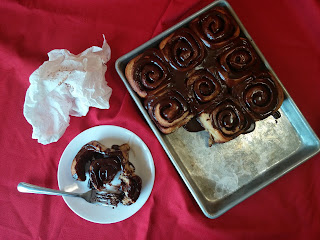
(82, 160)
(229, 117)
(183, 49)
(103, 171)
(260, 96)
(149, 72)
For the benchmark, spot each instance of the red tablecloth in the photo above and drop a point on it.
(287, 32)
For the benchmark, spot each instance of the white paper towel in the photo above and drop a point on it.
(66, 85)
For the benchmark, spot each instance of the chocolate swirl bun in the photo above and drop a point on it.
(110, 173)
(225, 121)
(183, 49)
(216, 27)
(87, 153)
(103, 171)
(169, 110)
(261, 96)
(238, 62)
(147, 72)
(204, 87)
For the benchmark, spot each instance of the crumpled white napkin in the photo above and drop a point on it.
(66, 85)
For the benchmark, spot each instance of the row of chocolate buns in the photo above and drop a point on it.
(209, 71)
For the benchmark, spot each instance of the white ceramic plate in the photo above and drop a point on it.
(139, 155)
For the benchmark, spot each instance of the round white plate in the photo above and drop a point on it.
(139, 155)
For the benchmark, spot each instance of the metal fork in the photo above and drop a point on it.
(92, 196)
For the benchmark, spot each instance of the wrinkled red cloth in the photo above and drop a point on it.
(287, 33)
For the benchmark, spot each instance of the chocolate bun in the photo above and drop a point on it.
(168, 109)
(260, 96)
(204, 88)
(216, 28)
(85, 156)
(110, 173)
(183, 49)
(236, 63)
(147, 72)
(226, 121)
(103, 170)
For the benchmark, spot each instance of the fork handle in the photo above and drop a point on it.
(30, 188)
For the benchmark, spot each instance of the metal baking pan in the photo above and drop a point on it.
(221, 176)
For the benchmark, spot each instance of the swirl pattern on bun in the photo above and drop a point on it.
(238, 62)
(260, 96)
(216, 27)
(88, 152)
(183, 49)
(147, 72)
(204, 88)
(103, 170)
(169, 110)
(226, 121)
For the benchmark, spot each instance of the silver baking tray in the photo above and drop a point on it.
(221, 176)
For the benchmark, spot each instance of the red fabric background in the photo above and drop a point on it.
(286, 31)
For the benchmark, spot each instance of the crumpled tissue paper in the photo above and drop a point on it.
(66, 85)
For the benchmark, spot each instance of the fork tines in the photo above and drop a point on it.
(106, 198)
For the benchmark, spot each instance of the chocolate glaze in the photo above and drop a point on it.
(184, 50)
(276, 115)
(168, 109)
(203, 88)
(215, 27)
(260, 96)
(150, 71)
(103, 171)
(230, 119)
(84, 157)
